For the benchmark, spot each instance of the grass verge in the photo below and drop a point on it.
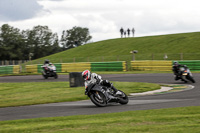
(19, 94)
(179, 120)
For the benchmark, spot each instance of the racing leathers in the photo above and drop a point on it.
(95, 78)
(176, 70)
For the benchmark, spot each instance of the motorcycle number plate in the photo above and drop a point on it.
(184, 73)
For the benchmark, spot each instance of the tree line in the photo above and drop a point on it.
(38, 42)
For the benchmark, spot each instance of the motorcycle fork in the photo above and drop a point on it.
(97, 93)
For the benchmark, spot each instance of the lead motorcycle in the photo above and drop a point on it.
(49, 72)
(101, 95)
(186, 75)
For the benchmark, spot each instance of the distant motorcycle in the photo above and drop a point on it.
(49, 71)
(186, 75)
(101, 95)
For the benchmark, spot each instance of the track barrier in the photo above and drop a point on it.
(79, 67)
(11, 69)
(147, 65)
(151, 65)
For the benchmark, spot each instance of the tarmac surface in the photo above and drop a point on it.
(185, 98)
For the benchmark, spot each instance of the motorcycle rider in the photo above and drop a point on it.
(52, 67)
(176, 69)
(91, 78)
(49, 65)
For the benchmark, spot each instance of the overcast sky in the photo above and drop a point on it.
(104, 18)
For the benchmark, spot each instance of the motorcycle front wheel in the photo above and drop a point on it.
(98, 98)
(191, 78)
(45, 76)
(123, 99)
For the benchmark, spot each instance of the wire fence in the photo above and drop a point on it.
(130, 57)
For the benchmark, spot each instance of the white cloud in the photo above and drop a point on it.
(14, 10)
(104, 18)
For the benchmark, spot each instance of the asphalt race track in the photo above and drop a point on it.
(158, 101)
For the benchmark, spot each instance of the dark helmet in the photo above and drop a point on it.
(175, 63)
(46, 61)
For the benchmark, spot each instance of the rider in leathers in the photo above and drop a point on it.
(91, 78)
(176, 70)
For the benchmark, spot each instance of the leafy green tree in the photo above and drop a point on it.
(11, 43)
(42, 41)
(75, 37)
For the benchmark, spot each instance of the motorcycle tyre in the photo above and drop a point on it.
(56, 76)
(191, 79)
(123, 100)
(45, 76)
(92, 98)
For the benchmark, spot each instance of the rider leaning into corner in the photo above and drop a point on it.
(176, 69)
(92, 78)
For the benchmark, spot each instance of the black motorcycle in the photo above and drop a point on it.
(186, 75)
(101, 95)
(48, 72)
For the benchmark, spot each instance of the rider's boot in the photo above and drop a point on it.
(116, 92)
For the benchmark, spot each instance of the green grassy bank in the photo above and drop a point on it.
(150, 47)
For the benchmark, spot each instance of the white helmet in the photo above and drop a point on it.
(86, 75)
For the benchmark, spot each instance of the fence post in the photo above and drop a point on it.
(152, 56)
(74, 59)
(117, 57)
(133, 56)
(181, 55)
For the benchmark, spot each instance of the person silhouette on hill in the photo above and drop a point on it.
(133, 31)
(121, 31)
(128, 31)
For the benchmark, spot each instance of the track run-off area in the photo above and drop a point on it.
(188, 97)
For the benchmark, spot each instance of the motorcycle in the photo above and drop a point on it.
(186, 75)
(49, 72)
(101, 95)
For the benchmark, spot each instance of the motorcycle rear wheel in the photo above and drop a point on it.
(98, 99)
(56, 76)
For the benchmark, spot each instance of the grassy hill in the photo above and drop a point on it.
(150, 47)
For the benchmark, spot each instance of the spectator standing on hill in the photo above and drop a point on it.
(133, 31)
(124, 33)
(128, 31)
(121, 31)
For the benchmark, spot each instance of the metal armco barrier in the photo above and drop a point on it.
(79, 67)
(12, 69)
(108, 66)
(193, 65)
(76, 67)
(151, 65)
